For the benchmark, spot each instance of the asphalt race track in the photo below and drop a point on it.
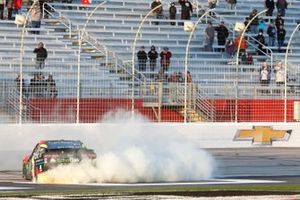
(235, 166)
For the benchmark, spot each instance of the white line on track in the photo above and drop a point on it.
(205, 182)
(14, 188)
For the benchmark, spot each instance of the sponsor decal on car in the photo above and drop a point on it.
(262, 135)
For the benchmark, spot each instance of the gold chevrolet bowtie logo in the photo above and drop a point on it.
(263, 135)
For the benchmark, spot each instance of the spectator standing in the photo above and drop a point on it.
(42, 85)
(211, 5)
(230, 48)
(280, 37)
(279, 74)
(36, 17)
(172, 12)
(246, 59)
(41, 55)
(260, 40)
(165, 59)
(281, 6)
(270, 5)
(279, 21)
(243, 46)
(254, 23)
(186, 10)
(249, 59)
(9, 6)
(31, 88)
(189, 77)
(142, 59)
(272, 34)
(265, 74)
(152, 55)
(222, 35)
(262, 25)
(180, 78)
(18, 83)
(231, 4)
(158, 11)
(2, 9)
(173, 77)
(181, 2)
(209, 37)
(246, 22)
(37, 85)
(17, 6)
(51, 86)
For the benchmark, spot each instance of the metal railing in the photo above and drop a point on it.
(63, 19)
(12, 102)
(119, 63)
(158, 94)
(231, 30)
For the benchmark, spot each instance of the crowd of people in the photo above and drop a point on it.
(38, 86)
(273, 27)
(175, 77)
(186, 10)
(266, 72)
(152, 56)
(165, 59)
(12, 7)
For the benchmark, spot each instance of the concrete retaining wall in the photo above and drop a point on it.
(18, 140)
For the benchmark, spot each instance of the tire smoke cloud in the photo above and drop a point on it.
(133, 152)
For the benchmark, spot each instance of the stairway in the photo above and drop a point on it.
(192, 115)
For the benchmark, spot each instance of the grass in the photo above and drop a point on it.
(178, 190)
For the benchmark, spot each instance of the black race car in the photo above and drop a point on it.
(48, 154)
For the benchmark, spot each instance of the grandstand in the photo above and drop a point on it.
(222, 90)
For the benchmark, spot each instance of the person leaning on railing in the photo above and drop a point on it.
(51, 87)
(265, 74)
(18, 83)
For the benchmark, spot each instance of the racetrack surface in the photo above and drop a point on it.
(235, 166)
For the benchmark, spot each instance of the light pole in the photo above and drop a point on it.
(285, 69)
(186, 61)
(21, 60)
(133, 56)
(237, 62)
(81, 33)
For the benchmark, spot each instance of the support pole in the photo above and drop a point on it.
(186, 61)
(80, 38)
(237, 64)
(21, 61)
(285, 68)
(133, 56)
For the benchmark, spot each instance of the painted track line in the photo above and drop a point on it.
(206, 182)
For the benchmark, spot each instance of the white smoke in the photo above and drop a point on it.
(133, 153)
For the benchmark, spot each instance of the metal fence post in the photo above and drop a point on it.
(137, 34)
(285, 68)
(21, 61)
(186, 61)
(237, 63)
